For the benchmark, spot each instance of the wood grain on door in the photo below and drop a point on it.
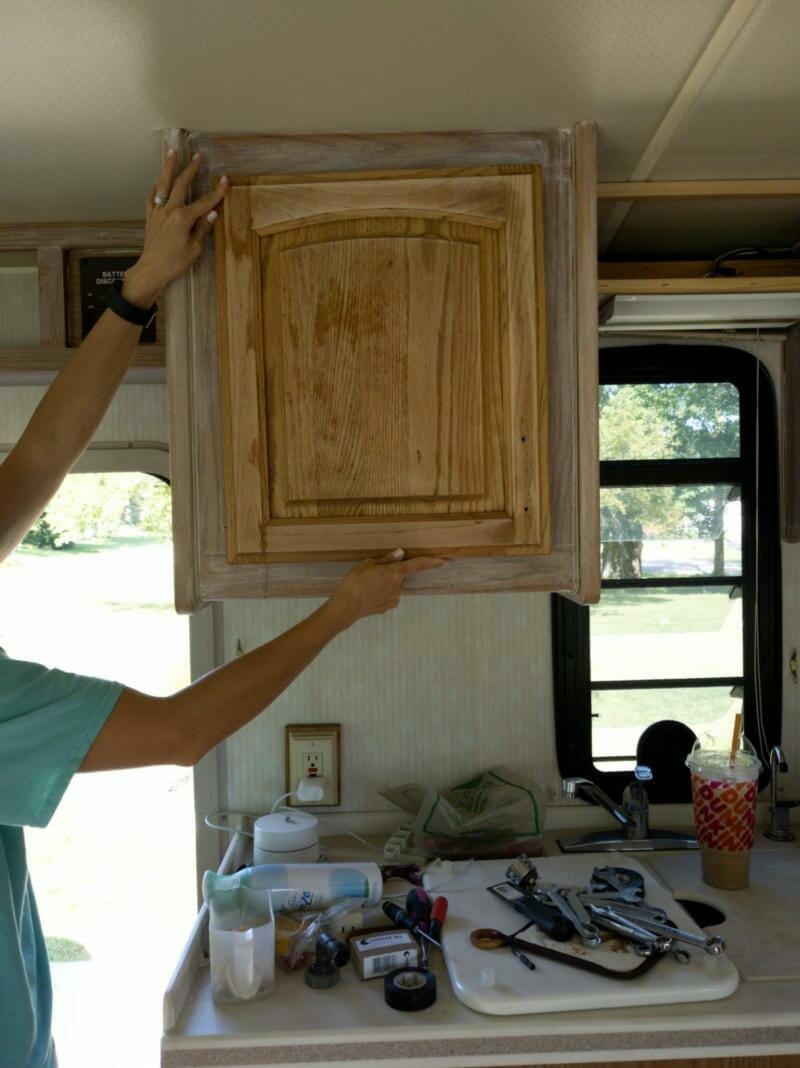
(383, 361)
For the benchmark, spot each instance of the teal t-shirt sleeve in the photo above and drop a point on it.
(48, 720)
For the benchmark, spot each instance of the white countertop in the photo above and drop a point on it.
(350, 1023)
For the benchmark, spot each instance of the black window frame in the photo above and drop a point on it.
(757, 465)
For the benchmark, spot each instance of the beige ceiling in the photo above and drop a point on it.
(86, 84)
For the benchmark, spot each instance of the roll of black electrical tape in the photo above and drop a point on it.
(410, 989)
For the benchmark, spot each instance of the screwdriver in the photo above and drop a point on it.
(438, 914)
(402, 919)
(419, 906)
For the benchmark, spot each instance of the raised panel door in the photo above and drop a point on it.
(383, 366)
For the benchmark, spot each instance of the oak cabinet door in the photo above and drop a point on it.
(389, 340)
(383, 366)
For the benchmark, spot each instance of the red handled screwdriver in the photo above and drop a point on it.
(438, 914)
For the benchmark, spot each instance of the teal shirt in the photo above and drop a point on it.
(48, 720)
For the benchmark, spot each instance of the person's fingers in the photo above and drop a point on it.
(202, 226)
(392, 558)
(419, 563)
(149, 204)
(203, 205)
(166, 178)
(180, 187)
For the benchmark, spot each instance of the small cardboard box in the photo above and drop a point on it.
(379, 952)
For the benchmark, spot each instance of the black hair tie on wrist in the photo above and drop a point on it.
(125, 310)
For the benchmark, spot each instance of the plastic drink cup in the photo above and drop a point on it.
(724, 793)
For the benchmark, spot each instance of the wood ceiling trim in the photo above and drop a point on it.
(704, 188)
(734, 20)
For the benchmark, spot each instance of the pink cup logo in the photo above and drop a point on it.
(725, 813)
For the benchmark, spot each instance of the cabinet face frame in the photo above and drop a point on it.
(496, 216)
(567, 161)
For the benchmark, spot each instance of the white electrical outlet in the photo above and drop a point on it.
(313, 751)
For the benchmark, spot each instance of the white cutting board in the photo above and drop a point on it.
(555, 987)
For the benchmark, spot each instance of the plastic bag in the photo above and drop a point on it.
(496, 814)
(296, 934)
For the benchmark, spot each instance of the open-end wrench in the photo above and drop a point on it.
(615, 921)
(549, 894)
(629, 884)
(624, 925)
(586, 929)
(634, 909)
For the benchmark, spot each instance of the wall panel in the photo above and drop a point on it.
(137, 413)
(439, 689)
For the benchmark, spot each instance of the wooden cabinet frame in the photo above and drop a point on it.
(567, 161)
(57, 246)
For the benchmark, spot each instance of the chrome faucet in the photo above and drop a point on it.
(632, 814)
(634, 810)
(778, 829)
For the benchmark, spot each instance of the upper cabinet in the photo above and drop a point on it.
(385, 347)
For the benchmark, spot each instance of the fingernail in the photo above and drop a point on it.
(398, 554)
(223, 178)
(195, 156)
(170, 152)
(212, 216)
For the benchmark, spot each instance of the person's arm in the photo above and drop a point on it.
(181, 729)
(71, 410)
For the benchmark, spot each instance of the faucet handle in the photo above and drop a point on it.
(569, 789)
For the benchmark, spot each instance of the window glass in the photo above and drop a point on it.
(657, 632)
(620, 716)
(685, 526)
(678, 531)
(669, 421)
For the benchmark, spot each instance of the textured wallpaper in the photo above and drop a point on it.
(137, 413)
(437, 690)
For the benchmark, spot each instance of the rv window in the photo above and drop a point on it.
(689, 519)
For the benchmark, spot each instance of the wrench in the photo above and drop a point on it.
(619, 901)
(584, 926)
(606, 917)
(630, 889)
(568, 902)
(637, 911)
(712, 944)
(550, 894)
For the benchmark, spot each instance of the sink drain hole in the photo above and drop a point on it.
(704, 915)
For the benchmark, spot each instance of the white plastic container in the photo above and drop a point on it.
(286, 838)
(243, 962)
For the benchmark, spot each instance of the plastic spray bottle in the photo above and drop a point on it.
(242, 900)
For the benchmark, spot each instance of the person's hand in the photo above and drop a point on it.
(174, 232)
(375, 586)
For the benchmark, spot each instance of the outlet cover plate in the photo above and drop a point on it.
(314, 750)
